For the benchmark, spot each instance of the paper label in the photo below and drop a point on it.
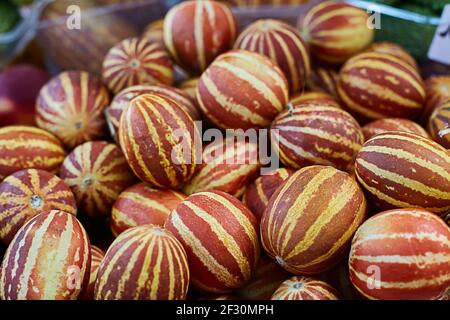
(440, 47)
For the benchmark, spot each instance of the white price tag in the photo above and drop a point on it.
(440, 47)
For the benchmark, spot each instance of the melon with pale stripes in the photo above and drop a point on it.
(304, 288)
(140, 205)
(266, 279)
(439, 125)
(154, 32)
(196, 32)
(135, 61)
(311, 134)
(336, 31)
(405, 170)
(378, 85)
(392, 124)
(190, 87)
(71, 106)
(220, 236)
(401, 254)
(143, 263)
(395, 50)
(48, 259)
(242, 90)
(323, 79)
(97, 172)
(97, 255)
(437, 90)
(310, 220)
(23, 147)
(124, 97)
(313, 97)
(27, 193)
(283, 44)
(258, 193)
(160, 141)
(228, 165)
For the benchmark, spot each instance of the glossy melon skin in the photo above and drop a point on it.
(304, 288)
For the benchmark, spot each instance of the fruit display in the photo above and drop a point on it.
(316, 134)
(228, 166)
(26, 273)
(376, 85)
(304, 288)
(401, 254)
(19, 87)
(135, 61)
(242, 150)
(392, 124)
(283, 44)
(196, 32)
(242, 90)
(140, 205)
(124, 97)
(221, 240)
(133, 267)
(303, 210)
(97, 173)
(26, 147)
(336, 31)
(25, 194)
(439, 125)
(71, 107)
(405, 170)
(147, 136)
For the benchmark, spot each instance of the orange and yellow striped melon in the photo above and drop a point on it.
(405, 170)
(439, 125)
(311, 134)
(71, 106)
(48, 259)
(242, 90)
(159, 140)
(378, 85)
(258, 193)
(123, 99)
(154, 32)
(437, 90)
(97, 255)
(220, 236)
(401, 254)
(23, 147)
(228, 165)
(310, 220)
(143, 263)
(281, 43)
(395, 50)
(336, 31)
(323, 79)
(136, 61)
(196, 32)
(304, 288)
(392, 124)
(140, 205)
(313, 97)
(189, 86)
(97, 173)
(27, 193)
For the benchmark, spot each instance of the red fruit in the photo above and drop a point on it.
(190, 87)
(312, 97)
(392, 124)
(48, 259)
(23, 147)
(439, 125)
(304, 288)
(71, 107)
(324, 80)
(97, 173)
(140, 205)
(96, 259)
(221, 240)
(27, 193)
(19, 87)
(395, 50)
(437, 90)
(258, 193)
(242, 90)
(401, 254)
(154, 32)
(196, 32)
(143, 263)
(310, 220)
